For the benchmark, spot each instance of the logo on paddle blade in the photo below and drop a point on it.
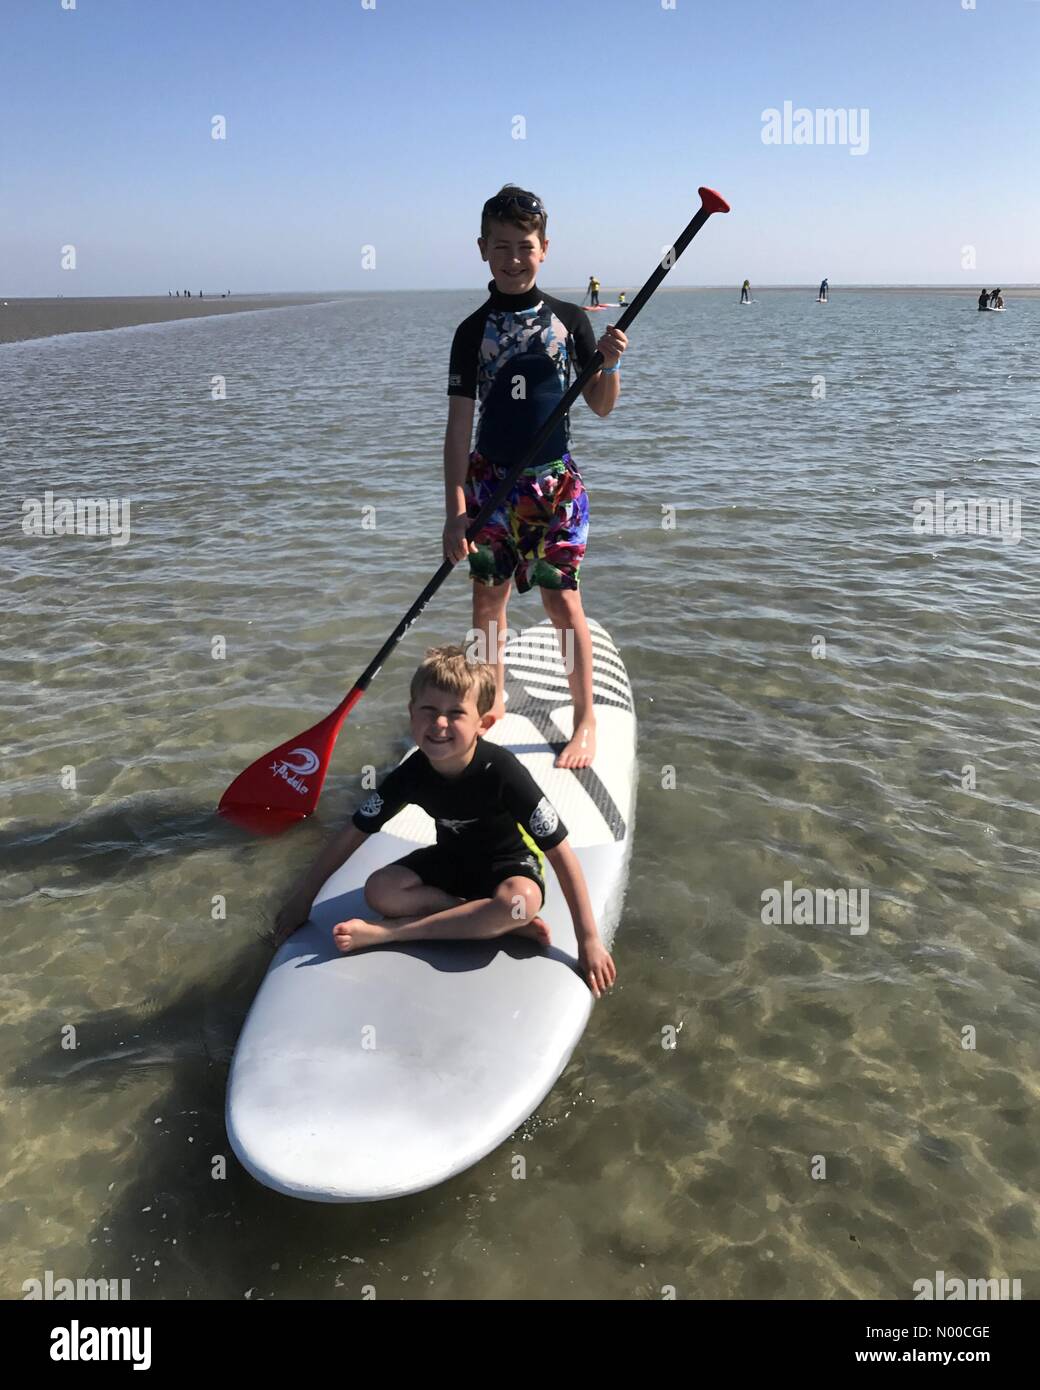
(308, 761)
(294, 772)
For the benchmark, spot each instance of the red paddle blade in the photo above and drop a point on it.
(283, 786)
(712, 201)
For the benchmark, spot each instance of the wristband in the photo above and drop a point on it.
(609, 371)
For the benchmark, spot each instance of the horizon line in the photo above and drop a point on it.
(468, 289)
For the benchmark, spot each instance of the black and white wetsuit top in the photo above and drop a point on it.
(491, 810)
(534, 336)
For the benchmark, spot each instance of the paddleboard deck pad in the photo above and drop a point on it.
(363, 1077)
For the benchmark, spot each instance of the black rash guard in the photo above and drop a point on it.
(488, 811)
(532, 335)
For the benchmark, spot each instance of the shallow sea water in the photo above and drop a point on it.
(897, 756)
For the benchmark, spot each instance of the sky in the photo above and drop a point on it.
(387, 123)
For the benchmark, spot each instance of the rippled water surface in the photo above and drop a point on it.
(845, 703)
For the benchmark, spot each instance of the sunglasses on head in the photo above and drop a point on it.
(503, 202)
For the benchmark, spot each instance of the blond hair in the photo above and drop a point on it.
(449, 669)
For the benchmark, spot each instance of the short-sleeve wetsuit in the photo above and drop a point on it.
(515, 355)
(492, 820)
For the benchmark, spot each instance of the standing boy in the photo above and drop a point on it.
(515, 355)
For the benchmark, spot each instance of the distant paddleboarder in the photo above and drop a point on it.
(996, 300)
(593, 290)
(621, 300)
(824, 290)
(984, 299)
(745, 292)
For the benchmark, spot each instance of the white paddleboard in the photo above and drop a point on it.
(361, 1077)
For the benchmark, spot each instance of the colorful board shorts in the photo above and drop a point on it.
(466, 879)
(537, 534)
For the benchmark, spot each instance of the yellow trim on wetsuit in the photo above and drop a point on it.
(532, 846)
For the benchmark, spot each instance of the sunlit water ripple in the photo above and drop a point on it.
(846, 705)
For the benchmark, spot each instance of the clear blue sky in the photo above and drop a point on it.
(391, 126)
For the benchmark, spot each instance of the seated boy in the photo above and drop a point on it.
(483, 877)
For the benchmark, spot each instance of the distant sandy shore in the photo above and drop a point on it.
(42, 318)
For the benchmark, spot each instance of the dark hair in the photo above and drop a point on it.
(517, 206)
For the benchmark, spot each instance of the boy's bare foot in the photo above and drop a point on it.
(537, 929)
(356, 933)
(581, 750)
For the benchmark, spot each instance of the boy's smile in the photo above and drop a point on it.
(446, 728)
(513, 256)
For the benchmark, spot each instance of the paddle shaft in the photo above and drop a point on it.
(546, 431)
